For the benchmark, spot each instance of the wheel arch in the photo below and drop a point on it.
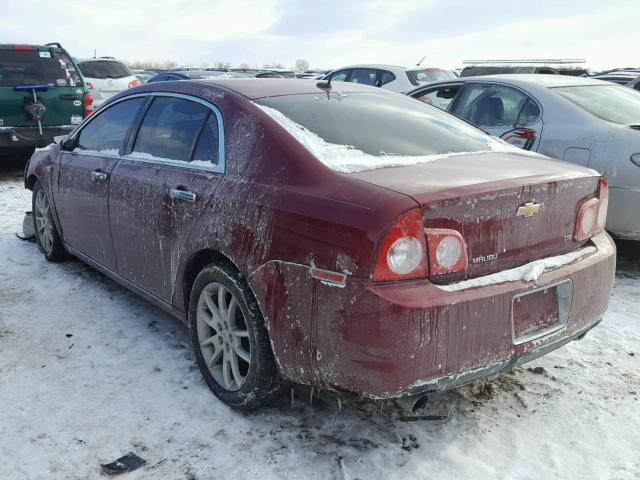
(194, 265)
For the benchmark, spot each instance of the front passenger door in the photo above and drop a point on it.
(441, 96)
(83, 183)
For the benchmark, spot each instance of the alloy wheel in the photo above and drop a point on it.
(44, 221)
(223, 336)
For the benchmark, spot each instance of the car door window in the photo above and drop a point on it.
(386, 77)
(169, 129)
(490, 105)
(439, 97)
(107, 131)
(208, 147)
(365, 76)
(339, 76)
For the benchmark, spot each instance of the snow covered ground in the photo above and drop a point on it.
(89, 372)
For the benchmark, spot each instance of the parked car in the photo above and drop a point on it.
(581, 120)
(144, 75)
(635, 84)
(626, 78)
(195, 74)
(544, 67)
(389, 77)
(105, 77)
(42, 95)
(348, 238)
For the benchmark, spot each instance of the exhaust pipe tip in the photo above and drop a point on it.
(419, 404)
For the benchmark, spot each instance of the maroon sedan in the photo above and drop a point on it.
(339, 236)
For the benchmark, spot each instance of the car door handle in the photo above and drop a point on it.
(185, 195)
(98, 176)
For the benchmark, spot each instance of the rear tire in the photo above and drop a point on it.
(230, 340)
(47, 237)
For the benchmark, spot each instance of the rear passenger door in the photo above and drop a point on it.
(172, 166)
(503, 111)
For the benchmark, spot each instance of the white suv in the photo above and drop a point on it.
(105, 77)
(398, 79)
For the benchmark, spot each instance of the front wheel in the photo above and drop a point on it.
(230, 340)
(47, 237)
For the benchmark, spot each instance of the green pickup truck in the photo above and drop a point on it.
(42, 95)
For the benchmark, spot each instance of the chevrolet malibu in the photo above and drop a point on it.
(347, 238)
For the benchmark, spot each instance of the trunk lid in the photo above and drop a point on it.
(57, 86)
(480, 195)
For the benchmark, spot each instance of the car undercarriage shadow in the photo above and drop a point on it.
(628, 262)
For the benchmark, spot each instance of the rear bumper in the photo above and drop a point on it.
(398, 339)
(29, 137)
(448, 382)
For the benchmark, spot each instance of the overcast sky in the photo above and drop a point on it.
(331, 33)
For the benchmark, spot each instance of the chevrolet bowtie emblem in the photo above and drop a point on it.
(529, 209)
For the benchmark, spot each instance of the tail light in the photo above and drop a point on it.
(592, 215)
(447, 251)
(134, 83)
(402, 253)
(87, 101)
(587, 218)
(604, 205)
(89, 85)
(23, 47)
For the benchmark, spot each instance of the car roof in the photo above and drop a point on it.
(99, 59)
(371, 65)
(548, 81)
(254, 88)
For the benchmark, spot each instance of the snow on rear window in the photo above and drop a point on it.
(368, 131)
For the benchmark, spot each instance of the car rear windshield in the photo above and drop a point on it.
(612, 103)
(37, 67)
(104, 69)
(418, 77)
(362, 131)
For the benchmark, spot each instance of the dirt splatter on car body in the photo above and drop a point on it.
(276, 212)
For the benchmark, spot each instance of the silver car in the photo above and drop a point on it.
(581, 120)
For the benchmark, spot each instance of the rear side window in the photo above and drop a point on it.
(107, 130)
(496, 105)
(207, 149)
(37, 67)
(386, 77)
(102, 69)
(365, 76)
(169, 129)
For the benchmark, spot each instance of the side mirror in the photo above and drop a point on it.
(68, 144)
